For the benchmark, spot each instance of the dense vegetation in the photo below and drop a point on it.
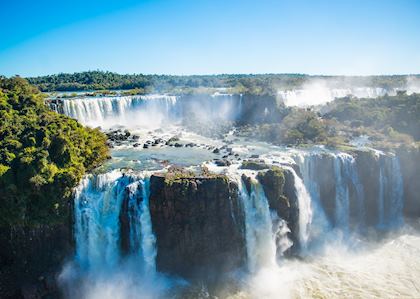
(399, 113)
(43, 155)
(254, 84)
(389, 121)
(299, 126)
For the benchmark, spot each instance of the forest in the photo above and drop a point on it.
(242, 83)
(43, 155)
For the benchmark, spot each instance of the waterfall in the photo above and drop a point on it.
(307, 163)
(396, 200)
(305, 209)
(381, 195)
(318, 93)
(123, 110)
(97, 206)
(98, 202)
(390, 194)
(346, 176)
(150, 110)
(260, 241)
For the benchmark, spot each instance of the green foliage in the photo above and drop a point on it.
(43, 155)
(301, 126)
(392, 115)
(298, 127)
(261, 84)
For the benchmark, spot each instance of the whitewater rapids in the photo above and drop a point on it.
(387, 270)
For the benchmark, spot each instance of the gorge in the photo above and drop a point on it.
(189, 207)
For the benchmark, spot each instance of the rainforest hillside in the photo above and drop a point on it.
(43, 155)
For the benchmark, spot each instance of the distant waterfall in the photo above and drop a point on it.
(123, 110)
(151, 110)
(318, 94)
(98, 202)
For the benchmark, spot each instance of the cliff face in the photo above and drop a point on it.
(30, 259)
(198, 223)
(279, 188)
(410, 168)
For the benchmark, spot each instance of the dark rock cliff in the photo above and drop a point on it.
(279, 188)
(30, 259)
(198, 224)
(410, 168)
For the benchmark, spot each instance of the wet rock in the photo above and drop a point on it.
(157, 141)
(178, 145)
(216, 151)
(145, 145)
(222, 162)
(136, 144)
(198, 225)
(254, 165)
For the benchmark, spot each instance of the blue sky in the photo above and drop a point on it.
(210, 36)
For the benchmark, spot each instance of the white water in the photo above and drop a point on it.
(99, 269)
(97, 205)
(389, 269)
(260, 238)
(146, 111)
(319, 93)
(149, 111)
(305, 209)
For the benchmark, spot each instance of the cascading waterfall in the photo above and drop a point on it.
(122, 110)
(390, 197)
(150, 110)
(381, 195)
(260, 240)
(342, 203)
(97, 206)
(397, 194)
(347, 177)
(142, 239)
(98, 202)
(308, 167)
(305, 209)
(317, 94)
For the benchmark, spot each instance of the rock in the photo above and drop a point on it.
(172, 140)
(222, 162)
(279, 187)
(253, 165)
(31, 258)
(178, 145)
(145, 145)
(136, 144)
(216, 151)
(196, 235)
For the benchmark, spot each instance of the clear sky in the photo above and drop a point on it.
(363, 37)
